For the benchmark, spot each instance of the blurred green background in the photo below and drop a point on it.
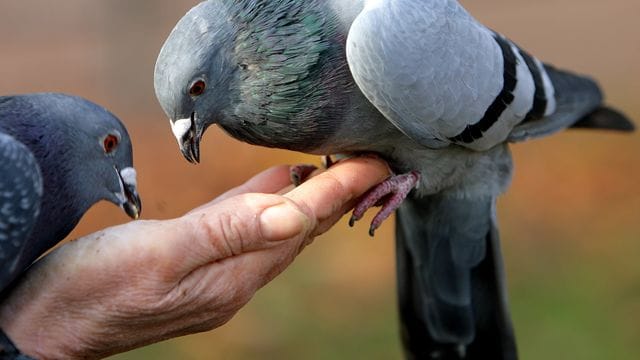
(570, 222)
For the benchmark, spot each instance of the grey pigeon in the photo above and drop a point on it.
(420, 83)
(59, 155)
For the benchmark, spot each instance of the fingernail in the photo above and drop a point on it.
(282, 221)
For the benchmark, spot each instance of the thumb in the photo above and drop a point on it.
(240, 224)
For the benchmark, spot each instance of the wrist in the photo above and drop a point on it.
(26, 333)
(41, 324)
(8, 349)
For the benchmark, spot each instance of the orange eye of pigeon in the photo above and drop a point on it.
(110, 142)
(197, 88)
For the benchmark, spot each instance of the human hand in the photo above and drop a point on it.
(146, 281)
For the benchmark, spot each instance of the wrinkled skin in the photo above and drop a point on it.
(146, 281)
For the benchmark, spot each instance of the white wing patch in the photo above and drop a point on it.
(549, 90)
(515, 112)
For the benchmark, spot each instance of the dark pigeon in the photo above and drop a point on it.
(20, 194)
(420, 83)
(59, 155)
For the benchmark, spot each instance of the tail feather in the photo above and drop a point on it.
(451, 292)
(578, 104)
(605, 118)
(494, 332)
(575, 94)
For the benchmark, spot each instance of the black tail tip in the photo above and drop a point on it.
(606, 118)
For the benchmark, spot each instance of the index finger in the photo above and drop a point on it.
(329, 195)
(252, 222)
(268, 181)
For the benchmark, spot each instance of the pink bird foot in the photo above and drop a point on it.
(390, 194)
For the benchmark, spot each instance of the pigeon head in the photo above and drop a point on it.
(96, 146)
(264, 71)
(83, 151)
(193, 72)
(82, 154)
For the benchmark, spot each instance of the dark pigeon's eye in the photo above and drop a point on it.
(197, 88)
(110, 143)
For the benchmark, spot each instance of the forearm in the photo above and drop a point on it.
(73, 303)
(38, 330)
(133, 285)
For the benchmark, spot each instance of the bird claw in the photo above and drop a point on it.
(299, 173)
(390, 193)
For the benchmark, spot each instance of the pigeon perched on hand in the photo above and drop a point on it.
(420, 83)
(59, 155)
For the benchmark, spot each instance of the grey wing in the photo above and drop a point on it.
(578, 103)
(20, 196)
(429, 67)
(451, 284)
(441, 77)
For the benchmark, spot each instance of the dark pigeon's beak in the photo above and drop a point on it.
(131, 203)
(188, 134)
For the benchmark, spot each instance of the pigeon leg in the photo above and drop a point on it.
(327, 161)
(299, 173)
(390, 194)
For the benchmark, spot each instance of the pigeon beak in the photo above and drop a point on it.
(188, 134)
(131, 203)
